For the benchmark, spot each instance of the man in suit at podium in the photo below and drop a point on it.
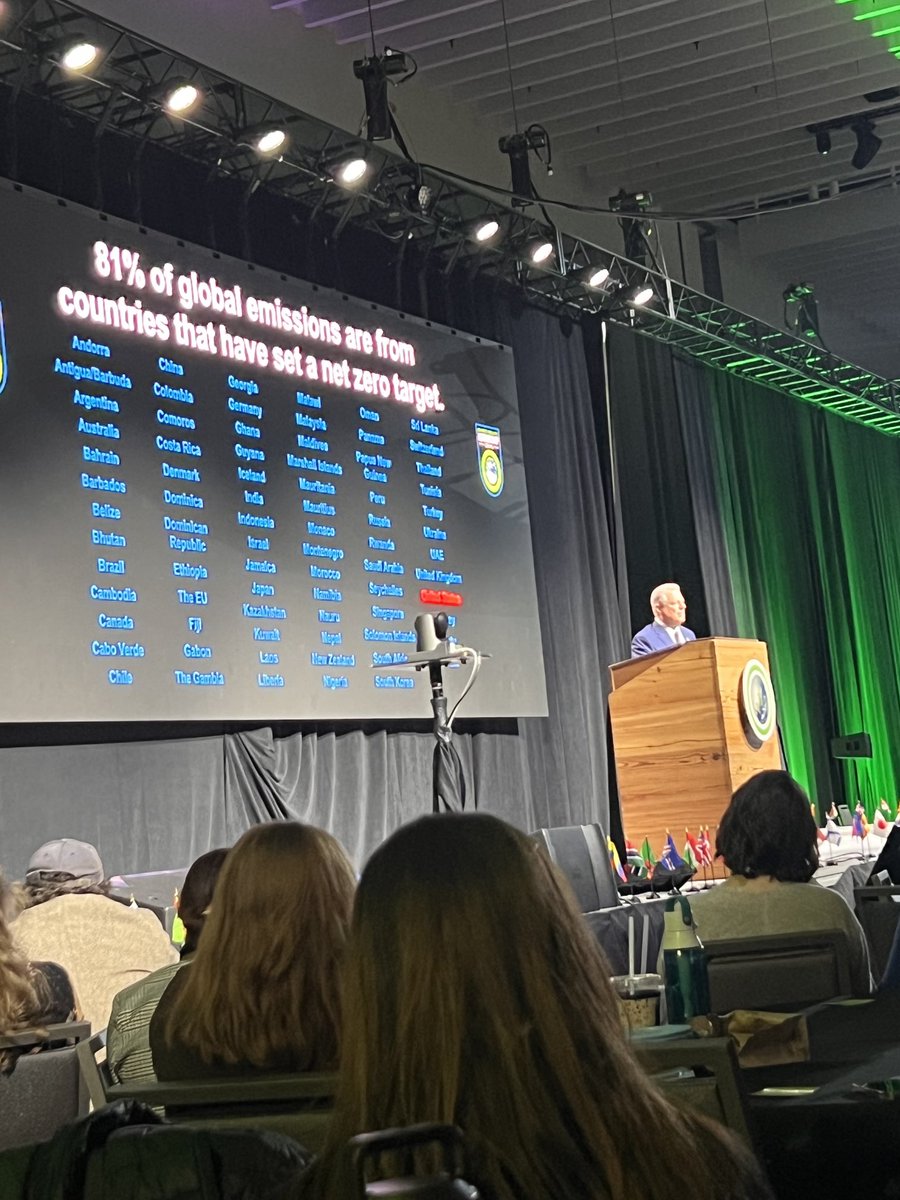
(667, 629)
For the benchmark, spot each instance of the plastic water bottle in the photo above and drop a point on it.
(684, 964)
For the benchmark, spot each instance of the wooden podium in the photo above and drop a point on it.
(679, 736)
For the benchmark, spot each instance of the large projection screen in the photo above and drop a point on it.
(227, 494)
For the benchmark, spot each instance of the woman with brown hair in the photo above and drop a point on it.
(475, 996)
(32, 994)
(262, 992)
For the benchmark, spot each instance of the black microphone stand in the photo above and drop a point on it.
(448, 781)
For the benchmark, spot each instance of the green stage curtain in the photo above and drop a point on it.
(809, 505)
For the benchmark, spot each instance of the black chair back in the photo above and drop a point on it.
(779, 972)
(581, 853)
(45, 1089)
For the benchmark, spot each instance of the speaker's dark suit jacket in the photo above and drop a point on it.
(654, 637)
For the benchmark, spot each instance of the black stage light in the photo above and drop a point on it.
(375, 71)
(823, 141)
(867, 144)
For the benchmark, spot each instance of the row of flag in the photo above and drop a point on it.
(697, 853)
(639, 863)
(861, 825)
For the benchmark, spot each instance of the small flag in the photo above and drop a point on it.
(690, 843)
(879, 821)
(670, 857)
(689, 859)
(647, 854)
(832, 833)
(860, 824)
(615, 860)
(634, 861)
(704, 849)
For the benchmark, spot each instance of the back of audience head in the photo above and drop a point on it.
(474, 995)
(17, 994)
(263, 986)
(63, 867)
(196, 895)
(768, 830)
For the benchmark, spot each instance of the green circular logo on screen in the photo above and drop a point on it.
(490, 466)
(757, 701)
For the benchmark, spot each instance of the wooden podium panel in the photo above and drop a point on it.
(678, 734)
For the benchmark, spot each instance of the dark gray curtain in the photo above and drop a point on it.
(653, 475)
(692, 390)
(159, 804)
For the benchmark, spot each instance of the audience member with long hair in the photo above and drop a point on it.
(768, 839)
(475, 996)
(262, 993)
(128, 1054)
(32, 994)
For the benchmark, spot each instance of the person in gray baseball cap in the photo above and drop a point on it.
(65, 861)
(71, 919)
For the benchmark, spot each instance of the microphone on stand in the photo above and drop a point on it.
(431, 632)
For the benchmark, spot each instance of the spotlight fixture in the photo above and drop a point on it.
(375, 71)
(823, 141)
(540, 251)
(181, 97)
(596, 277)
(801, 313)
(867, 144)
(77, 53)
(486, 229)
(518, 146)
(634, 231)
(637, 296)
(352, 171)
(270, 141)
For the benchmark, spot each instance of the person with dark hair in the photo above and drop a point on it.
(128, 1033)
(71, 919)
(475, 996)
(32, 994)
(262, 992)
(769, 842)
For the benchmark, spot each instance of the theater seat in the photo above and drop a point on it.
(45, 1090)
